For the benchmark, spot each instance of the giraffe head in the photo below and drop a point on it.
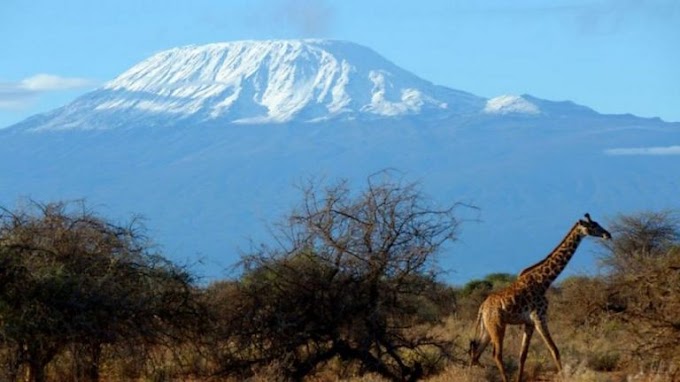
(590, 227)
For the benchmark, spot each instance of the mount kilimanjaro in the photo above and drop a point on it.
(207, 141)
(264, 82)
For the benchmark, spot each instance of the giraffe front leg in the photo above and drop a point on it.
(526, 339)
(542, 326)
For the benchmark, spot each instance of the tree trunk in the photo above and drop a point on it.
(38, 356)
(86, 359)
(93, 364)
(36, 371)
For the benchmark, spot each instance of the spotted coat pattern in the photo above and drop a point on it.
(524, 301)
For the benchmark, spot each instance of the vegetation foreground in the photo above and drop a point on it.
(348, 289)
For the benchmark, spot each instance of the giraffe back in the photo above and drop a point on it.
(515, 304)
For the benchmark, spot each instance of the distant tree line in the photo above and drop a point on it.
(348, 283)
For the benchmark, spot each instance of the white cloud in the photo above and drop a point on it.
(20, 94)
(668, 150)
(49, 82)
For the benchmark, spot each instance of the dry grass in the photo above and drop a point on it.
(588, 355)
(591, 354)
(595, 352)
(455, 373)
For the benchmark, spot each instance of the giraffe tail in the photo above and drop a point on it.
(476, 340)
(479, 324)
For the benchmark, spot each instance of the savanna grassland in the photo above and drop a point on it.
(347, 290)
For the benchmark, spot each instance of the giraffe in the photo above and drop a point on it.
(524, 302)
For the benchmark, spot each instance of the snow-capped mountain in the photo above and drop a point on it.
(259, 82)
(510, 104)
(333, 110)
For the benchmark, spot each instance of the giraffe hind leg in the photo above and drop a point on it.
(497, 333)
(477, 347)
(526, 339)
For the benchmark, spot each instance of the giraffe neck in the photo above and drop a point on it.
(547, 270)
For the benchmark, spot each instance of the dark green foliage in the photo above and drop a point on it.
(473, 293)
(69, 277)
(499, 280)
(492, 281)
(477, 286)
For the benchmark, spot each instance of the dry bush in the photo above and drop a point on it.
(644, 277)
(581, 301)
(352, 277)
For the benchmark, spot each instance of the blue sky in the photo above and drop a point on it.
(616, 56)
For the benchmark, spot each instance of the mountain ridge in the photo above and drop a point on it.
(207, 186)
(271, 81)
(278, 81)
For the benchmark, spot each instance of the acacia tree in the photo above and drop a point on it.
(643, 262)
(351, 277)
(69, 277)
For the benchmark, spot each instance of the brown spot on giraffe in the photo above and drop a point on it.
(524, 302)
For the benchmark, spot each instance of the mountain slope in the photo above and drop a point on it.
(206, 193)
(532, 166)
(258, 82)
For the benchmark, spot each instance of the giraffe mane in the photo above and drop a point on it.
(538, 264)
(532, 267)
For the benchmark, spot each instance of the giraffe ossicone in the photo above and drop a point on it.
(524, 302)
